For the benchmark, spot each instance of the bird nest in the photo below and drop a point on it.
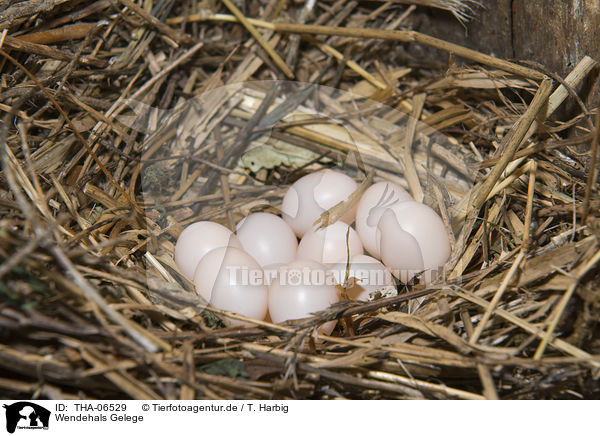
(122, 125)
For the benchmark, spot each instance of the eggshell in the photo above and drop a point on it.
(375, 200)
(267, 238)
(328, 245)
(196, 240)
(400, 250)
(366, 273)
(271, 272)
(300, 289)
(312, 195)
(230, 279)
(412, 237)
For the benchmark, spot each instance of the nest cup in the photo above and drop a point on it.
(212, 157)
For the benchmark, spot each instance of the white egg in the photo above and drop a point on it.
(328, 245)
(230, 279)
(271, 271)
(375, 200)
(267, 238)
(196, 240)
(368, 273)
(312, 195)
(412, 237)
(300, 289)
(400, 250)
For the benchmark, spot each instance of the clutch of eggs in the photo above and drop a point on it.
(262, 268)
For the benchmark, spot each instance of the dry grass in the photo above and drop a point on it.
(93, 195)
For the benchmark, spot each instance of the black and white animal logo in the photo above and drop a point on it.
(26, 415)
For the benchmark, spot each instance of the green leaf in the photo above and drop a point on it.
(226, 367)
(274, 154)
(37, 285)
(5, 290)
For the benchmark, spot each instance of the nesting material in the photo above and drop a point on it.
(117, 136)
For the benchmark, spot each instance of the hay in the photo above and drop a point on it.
(91, 203)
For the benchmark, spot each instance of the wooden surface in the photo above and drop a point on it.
(554, 33)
